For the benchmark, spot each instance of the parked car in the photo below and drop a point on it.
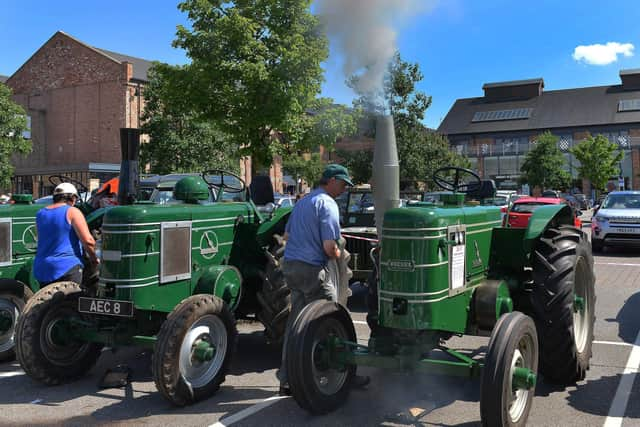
(583, 202)
(285, 202)
(551, 194)
(522, 209)
(617, 221)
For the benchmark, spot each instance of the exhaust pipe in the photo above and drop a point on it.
(386, 170)
(129, 173)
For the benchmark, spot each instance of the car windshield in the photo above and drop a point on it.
(622, 201)
(162, 196)
(360, 202)
(527, 207)
(494, 201)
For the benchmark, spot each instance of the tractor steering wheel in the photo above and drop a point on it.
(59, 179)
(441, 178)
(235, 185)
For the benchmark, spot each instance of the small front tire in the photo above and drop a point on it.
(513, 344)
(194, 349)
(11, 306)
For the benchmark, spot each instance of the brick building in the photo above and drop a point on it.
(497, 130)
(77, 97)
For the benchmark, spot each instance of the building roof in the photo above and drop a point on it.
(140, 66)
(589, 106)
(3, 78)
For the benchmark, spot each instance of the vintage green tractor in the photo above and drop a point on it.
(450, 269)
(173, 277)
(18, 242)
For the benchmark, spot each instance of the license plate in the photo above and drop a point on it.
(627, 230)
(108, 307)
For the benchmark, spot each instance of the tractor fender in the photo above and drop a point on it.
(490, 300)
(223, 281)
(543, 218)
(275, 225)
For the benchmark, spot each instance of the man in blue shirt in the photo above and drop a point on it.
(312, 233)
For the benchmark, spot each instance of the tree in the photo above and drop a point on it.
(543, 165)
(180, 140)
(308, 167)
(420, 151)
(599, 159)
(359, 164)
(13, 122)
(255, 70)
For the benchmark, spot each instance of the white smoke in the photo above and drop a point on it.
(365, 31)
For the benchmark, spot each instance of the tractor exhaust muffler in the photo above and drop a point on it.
(386, 170)
(129, 177)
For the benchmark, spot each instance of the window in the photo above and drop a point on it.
(509, 165)
(491, 166)
(628, 105)
(27, 133)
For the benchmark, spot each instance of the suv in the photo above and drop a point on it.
(617, 221)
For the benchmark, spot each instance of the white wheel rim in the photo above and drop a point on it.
(199, 373)
(581, 317)
(519, 397)
(7, 338)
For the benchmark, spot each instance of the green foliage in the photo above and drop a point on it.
(307, 167)
(323, 124)
(420, 151)
(13, 122)
(255, 69)
(180, 141)
(543, 165)
(599, 159)
(359, 164)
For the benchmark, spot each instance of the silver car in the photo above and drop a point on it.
(617, 221)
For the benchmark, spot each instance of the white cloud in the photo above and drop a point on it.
(602, 54)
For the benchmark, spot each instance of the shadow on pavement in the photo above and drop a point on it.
(628, 319)
(588, 397)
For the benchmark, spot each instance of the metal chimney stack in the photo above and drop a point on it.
(129, 176)
(386, 170)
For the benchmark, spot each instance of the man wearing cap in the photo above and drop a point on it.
(312, 235)
(62, 233)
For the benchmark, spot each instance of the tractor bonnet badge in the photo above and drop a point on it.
(401, 265)
(208, 244)
(477, 262)
(30, 238)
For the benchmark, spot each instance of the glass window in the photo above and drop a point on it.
(509, 165)
(491, 166)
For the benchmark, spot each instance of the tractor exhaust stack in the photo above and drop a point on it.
(386, 170)
(129, 177)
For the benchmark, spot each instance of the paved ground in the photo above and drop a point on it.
(247, 397)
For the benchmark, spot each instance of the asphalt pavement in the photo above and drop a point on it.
(608, 396)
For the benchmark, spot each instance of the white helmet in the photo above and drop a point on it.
(66, 188)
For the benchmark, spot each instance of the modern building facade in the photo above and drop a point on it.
(497, 130)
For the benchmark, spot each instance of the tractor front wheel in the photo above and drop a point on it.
(46, 349)
(11, 306)
(194, 349)
(563, 300)
(318, 382)
(509, 375)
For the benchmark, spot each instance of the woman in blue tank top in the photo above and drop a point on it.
(62, 235)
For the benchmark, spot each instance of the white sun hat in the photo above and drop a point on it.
(66, 188)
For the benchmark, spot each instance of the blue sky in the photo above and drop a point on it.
(459, 44)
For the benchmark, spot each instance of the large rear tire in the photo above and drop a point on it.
(317, 387)
(274, 297)
(11, 306)
(563, 301)
(44, 346)
(194, 349)
(513, 344)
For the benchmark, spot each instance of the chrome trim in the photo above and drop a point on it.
(105, 279)
(439, 236)
(154, 230)
(140, 224)
(497, 221)
(438, 264)
(409, 294)
(139, 254)
(197, 248)
(212, 227)
(479, 231)
(143, 285)
(414, 229)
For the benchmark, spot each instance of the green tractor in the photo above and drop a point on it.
(173, 277)
(18, 243)
(450, 269)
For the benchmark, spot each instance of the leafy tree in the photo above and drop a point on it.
(13, 122)
(255, 70)
(306, 166)
(420, 151)
(180, 140)
(359, 164)
(543, 165)
(599, 159)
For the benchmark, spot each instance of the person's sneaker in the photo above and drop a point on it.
(284, 390)
(360, 381)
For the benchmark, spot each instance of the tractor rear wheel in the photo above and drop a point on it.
(11, 305)
(563, 301)
(508, 378)
(45, 347)
(315, 385)
(275, 296)
(194, 349)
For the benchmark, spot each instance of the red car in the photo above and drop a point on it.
(521, 210)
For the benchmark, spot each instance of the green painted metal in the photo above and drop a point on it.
(504, 303)
(414, 291)
(204, 351)
(578, 304)
(224, 281)
(22, 198)
(523, 378)
(540, 220)
(144, 341)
